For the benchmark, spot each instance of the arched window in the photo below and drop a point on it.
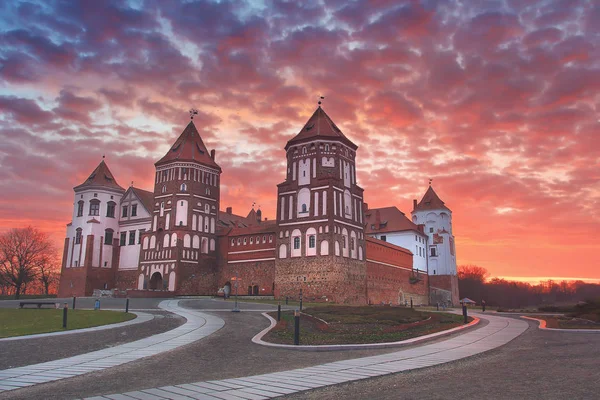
(78, 236)
(164, 189)
(304, 150)
(108, 236)
(110, 209)
(94, 207)
(183, 187)
(233, 242)
(326, 147)
(207, 191)
(312, 241)
(296, 243)
(80, 208)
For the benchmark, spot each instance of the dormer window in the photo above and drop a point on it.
(134, 210)
(124, 212)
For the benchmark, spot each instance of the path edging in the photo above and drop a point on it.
(542, 325)
(331, 347)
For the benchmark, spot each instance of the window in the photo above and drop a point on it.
(80, 208)
(110, 209)
(312, 241)
(304, 208)
(233, 242)
(430, 230)
(304, 150)
(345, 243)
(131, 238)
(140, 236)
(78, 236)
(164, 188)
(183, 187)
(245, 241)
(124, 212)
(264, 238)
(251, 240)
(134, 210)
(108, 236)
(207, 191)
(433, 252)
(326, 147)
(94, 207)
(239, 241)
(296, 243)
(270, 238)
(352, 243)
(384, 237)
(123, 239)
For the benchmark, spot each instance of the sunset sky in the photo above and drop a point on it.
(497, 101)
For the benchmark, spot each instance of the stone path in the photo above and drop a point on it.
(198, 326)
(497, 332)
(141, 318)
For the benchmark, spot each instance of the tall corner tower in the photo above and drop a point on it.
(178, 254)
(91, 248)
(436, 217)
(320, 239)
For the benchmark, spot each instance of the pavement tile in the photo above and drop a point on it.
(143, 396)
(166, 394)
(242, 394)
(211, 386)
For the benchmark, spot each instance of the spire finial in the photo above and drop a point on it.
(103, 156)
(430, 180)
(320, 102)
(131, 183)
(193, 112)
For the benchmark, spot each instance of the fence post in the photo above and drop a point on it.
(296, 328)
(65, 315)
(464, 310)
(279, 311)
(127, 305)
(73, 302)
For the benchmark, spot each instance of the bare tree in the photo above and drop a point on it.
(22, 252)
(49, 275)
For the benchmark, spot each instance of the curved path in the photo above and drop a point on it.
(198, 326)
(497, 332)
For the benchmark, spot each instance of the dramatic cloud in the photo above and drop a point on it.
(497, 101)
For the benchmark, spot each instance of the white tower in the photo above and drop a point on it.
(437, 221)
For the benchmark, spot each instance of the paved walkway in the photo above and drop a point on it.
(497, 332)
(141, 318)
(198, 326)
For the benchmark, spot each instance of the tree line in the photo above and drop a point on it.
(473, 283)
(28, 263)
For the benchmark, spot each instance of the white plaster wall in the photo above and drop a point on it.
(304, 172)
(436, 221)
(130, 254)
(407, 240)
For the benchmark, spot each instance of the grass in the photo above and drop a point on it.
(29, 321)
(359, 325)
(566, 322)
(291, 303)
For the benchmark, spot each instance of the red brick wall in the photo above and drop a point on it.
(337, 279)
(444, 288)
(97, 277)
(389, 273)
(197, 278)
(72, 282)
(126, 280)
(259, 273)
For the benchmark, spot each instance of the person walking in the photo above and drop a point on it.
(483, 305)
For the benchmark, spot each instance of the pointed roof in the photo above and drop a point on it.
(320, 126)
(146, 197)
(100, 177)
(388, 219)
(430, 201)
(189, 147)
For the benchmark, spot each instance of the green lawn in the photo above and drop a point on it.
(29, 321)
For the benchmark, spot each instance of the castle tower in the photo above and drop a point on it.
(436, 217)
(179, 252)
(321, 244)
(91, 247)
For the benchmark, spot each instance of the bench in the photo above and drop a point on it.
(39, 304)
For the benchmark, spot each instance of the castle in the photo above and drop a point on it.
(325, 240)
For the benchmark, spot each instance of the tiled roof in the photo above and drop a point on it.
(146, 197)
(390, 219)
(189, 147)
(431, 201)
(102, 177)
(319, 126)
